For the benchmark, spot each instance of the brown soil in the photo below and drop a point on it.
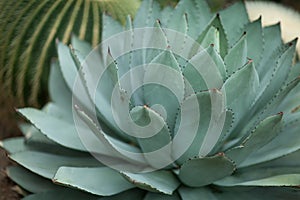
(6, 186)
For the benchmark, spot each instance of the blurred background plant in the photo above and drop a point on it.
(28, 30)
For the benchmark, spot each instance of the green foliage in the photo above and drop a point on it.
(253, 155)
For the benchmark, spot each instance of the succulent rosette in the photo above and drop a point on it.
(181, 103)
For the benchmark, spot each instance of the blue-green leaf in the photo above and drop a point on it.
(147, 14)
(155, 196)
(233, 27)
(111, 27)
(266, 131)
(108, 145)
(237, 56)
(216, 23)
(258, 193)
(162, 90)
(201, 130)
(157, 181)
(255, 41)
(67, 64)
(83, 47)
(199, 172)
(273, 42)
(55, 129)
(240, 90)
(58, 90)
(188, 193)
(30, 181)
(279, 75)
(192, 9)
(99, 181)
(155, 141)
(288, 140)
(46, 165)
(65, 194)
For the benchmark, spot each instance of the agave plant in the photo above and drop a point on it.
(208, 109)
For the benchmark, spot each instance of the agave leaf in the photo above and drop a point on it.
(178, 36)
(273, 105)
(288, 161)
(30, 181)
(223, 42)
(97, 84)
(155, 196)
(110, 27)
(204, 139)
(266, 131)
(282, 171)
(82, 46)
(192, 9)
(255, 40)
(33, 135)
(62, 194)
(147, 14)
(240, 90)
(14, 145)
(192, 75)
(107, 145)
(229, 120)
(111, 181)
(58, 90)
(295, 72)
(156, 148)
(50, 125)
(280, 74)
(198, 71)
(67, 64)
(144, 46)
(267, 73)
(199, 172)
(234, 28)
(157, 181)
(103, 92)
(237, 56)
(56, 111)
(273, 41)
(271, 150)
(129, 194)
(187, 193)
(215, 56)
(212, 37)
(24, 127)
(263, 177)
(291, 103)
(155, 40)
(270, 108)
(162, 90)
(258, 193)
(46, 165)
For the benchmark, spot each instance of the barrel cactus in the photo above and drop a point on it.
(181, 103)
(28, 32)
